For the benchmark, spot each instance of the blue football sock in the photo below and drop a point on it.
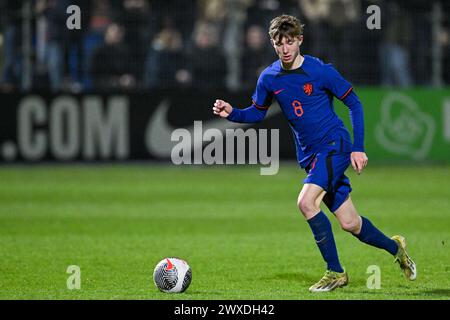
(371, 235)
(323, 234)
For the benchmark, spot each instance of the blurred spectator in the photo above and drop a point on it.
(333, 32)
(206, 64)
(262, 11)
(76, 45)
(10, 24)
(110, 67)
(59, 49)
(57, 37)
(134, 16)
(164, 59)
(213, 12)
(40, 69)
(164, 50)
(256, 56)
(393, 51)
(182, 13)
(316, 32)
(344, 37)
(101, 16)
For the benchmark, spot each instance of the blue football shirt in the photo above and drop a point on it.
(305, 96)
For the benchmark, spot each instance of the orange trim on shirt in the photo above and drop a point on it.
(258, 106)
(346, 94)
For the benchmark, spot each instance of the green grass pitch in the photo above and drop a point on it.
(241, 232)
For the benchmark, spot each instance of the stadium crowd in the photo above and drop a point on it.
(208, 44)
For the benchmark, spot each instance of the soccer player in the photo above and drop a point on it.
(305, 87)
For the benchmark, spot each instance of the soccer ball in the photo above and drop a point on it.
(172, 275)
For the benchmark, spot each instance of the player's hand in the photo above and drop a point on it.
(359, 161)
(222, 108)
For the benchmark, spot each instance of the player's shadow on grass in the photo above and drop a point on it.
(293, 276)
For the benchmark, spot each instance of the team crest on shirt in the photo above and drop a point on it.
(308, 88)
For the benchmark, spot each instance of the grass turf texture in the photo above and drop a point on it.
(241, 232)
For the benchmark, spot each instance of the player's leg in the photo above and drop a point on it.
(309, 201)
(363, 229)
(309, 204)
(340, 203)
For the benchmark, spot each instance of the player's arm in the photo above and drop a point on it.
(355, 107)
(358, 157)
(262, 99)
(343, 90)
(251, 114)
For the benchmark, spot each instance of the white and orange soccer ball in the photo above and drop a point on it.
(172, 275)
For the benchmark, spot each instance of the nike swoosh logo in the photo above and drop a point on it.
(321, 240)
(159, 130)
(169, 265)
(278, 91)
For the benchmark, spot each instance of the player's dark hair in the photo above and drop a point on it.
(285, 26)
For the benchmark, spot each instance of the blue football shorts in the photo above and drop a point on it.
(327, 171)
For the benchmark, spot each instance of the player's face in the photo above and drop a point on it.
(287, 49)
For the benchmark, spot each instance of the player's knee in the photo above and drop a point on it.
(306, 206)
(352, 225)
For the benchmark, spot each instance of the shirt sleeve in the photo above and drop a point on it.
(335, 82)
(247, 115)
(261, 101)
(262, 97)
(357, 118)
